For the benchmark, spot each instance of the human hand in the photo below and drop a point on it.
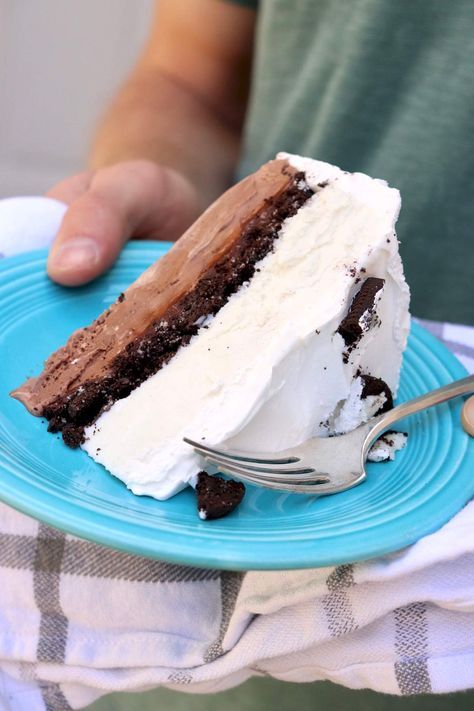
(111, 205)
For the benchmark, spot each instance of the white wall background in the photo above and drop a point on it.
(60, 61)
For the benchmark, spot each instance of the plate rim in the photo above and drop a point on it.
(133, 539)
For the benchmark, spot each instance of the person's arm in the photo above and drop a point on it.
(169, 142)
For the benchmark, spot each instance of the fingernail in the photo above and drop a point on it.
(77, 253)
(467, 416)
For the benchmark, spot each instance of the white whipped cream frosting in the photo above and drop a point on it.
(267, 371)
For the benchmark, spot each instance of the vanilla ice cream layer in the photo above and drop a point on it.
(268, 371)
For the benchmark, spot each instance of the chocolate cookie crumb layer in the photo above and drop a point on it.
(217, 497)
(145, 355)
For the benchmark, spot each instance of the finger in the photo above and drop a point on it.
(137, 198)
(71, 188)
(467, 416)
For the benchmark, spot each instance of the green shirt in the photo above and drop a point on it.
(384, 87)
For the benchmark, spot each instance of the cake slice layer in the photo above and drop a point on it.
(271, 368)
(166, 306)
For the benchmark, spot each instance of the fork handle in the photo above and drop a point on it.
(422, 402)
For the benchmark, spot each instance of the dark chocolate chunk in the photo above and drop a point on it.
(351, 328)
(376, 386)
(217, 497)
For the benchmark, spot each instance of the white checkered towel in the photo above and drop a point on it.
(78, 620)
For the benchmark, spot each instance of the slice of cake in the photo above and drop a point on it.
(281, 314)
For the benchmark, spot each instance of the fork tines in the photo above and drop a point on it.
(273, 472)
(255, 457)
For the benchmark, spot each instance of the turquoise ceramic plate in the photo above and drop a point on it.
(400, 501)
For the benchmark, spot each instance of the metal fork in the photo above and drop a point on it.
(322, 465)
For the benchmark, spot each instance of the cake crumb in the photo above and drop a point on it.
(386, 447)
(217, 497)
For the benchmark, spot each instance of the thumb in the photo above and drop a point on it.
(130, 199)
(71, 188)
(467, 416)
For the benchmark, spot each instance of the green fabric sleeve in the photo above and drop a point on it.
(384, 88)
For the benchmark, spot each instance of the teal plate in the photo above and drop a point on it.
(398, 503)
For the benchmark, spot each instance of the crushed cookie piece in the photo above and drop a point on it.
(217, 497)
(361, 315)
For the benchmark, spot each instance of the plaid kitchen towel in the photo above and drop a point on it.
(78, 620)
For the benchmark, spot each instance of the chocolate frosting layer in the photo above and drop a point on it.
(90, 351)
